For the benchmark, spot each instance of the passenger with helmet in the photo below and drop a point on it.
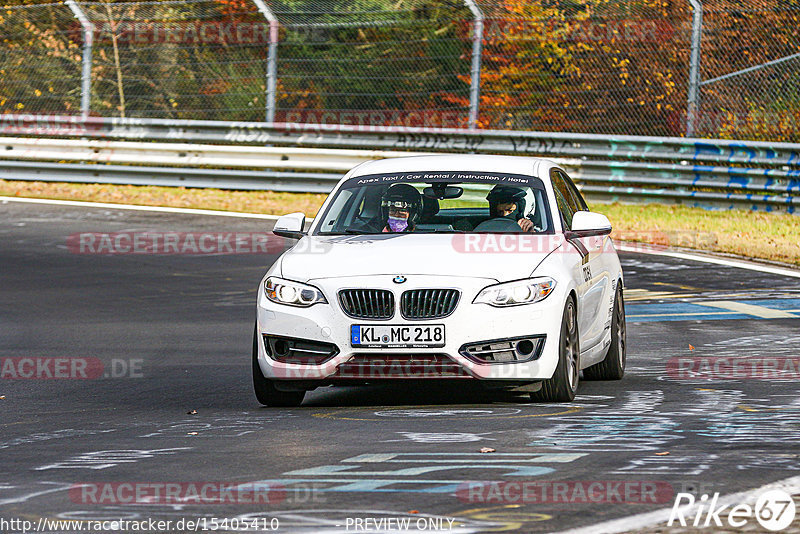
(401, 207)
(506, 201)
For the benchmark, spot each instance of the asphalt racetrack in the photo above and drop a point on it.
(156, 337)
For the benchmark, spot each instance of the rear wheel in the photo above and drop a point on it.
(613, 366)
(563, 385)
(265, 390)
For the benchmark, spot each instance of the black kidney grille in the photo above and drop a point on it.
(428, 303)
(367, 303)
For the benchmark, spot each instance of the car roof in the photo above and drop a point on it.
(456, 162)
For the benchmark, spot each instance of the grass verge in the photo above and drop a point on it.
(766, 236)
(752, 234)
(265, 202)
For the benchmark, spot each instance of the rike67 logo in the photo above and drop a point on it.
(774, 510)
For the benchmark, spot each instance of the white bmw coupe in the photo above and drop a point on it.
(488, 269)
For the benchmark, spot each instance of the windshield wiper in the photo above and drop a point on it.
(357, 232)
(351, 231)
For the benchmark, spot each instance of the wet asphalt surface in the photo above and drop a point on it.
(165, 335)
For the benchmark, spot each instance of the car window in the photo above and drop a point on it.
(444, 201)
(579, 202)
(567, 205)
(338, 205)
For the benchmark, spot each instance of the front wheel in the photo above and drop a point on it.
(563, 385)
(265, 390)
(613, 366)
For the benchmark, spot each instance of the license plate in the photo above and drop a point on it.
(397, 336)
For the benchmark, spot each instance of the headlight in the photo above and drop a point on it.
(292, 293)
(516, 293)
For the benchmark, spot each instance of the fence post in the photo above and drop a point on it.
(86, 62)
(475, 73)
(694, 69)
(272, 58)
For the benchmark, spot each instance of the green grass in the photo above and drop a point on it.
(767, 236)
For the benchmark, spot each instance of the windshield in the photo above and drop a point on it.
(438, 202)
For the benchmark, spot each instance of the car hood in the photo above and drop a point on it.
(498, 257)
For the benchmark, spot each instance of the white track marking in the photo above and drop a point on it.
(741, 264)
(660, 517)
(189, 211)
(750, 309)
(28, 496)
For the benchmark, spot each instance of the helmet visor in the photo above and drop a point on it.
(397, 204)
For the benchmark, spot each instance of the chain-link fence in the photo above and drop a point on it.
(196, 59)
(595, 66)
(40, 60)
(750, 87)
(372, 62)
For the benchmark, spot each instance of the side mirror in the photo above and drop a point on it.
(588, 223)
(290, 226)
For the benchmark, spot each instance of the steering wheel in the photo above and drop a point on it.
(502, 225)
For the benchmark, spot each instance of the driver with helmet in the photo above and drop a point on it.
(509, 202)
(401, 207)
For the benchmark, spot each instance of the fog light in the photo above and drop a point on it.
(504, 350)
(525, 348)
(281, 347)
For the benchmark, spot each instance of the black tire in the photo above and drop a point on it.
(563, 385)
(613, 366)
(266, 392)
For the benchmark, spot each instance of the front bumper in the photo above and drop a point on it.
(327, 325)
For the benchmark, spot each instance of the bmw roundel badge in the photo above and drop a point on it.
(399, 279)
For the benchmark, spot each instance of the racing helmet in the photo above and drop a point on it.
(506, 194)
(403, 196)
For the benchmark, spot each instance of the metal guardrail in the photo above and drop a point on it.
(186, 155)
(703, 172)
(293, 182)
